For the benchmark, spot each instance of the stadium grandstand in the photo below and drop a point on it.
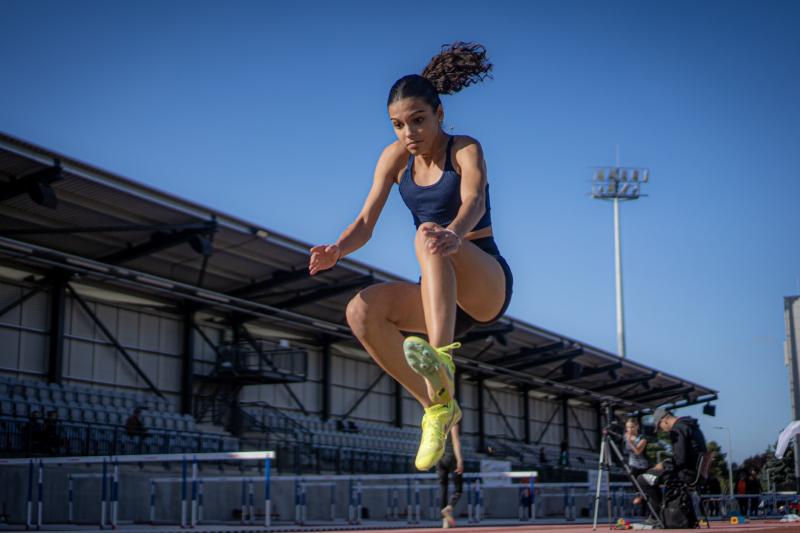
(116, 296)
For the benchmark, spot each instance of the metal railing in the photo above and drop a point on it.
(19, 436)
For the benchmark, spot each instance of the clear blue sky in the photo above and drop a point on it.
(275, 112)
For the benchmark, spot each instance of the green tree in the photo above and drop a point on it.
(779, 471)
(719, 465)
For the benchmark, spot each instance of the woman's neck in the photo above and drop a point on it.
(438, 148)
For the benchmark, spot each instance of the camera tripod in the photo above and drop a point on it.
(604, 463)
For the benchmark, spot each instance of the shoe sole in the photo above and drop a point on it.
(427, 365)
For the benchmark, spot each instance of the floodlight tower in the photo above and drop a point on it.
(619, 184)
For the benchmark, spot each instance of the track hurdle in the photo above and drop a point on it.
(357, 484)
(109, 506)
(301, 499)
(569, 504)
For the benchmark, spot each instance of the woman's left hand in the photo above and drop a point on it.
(441, 241)
(459, 467)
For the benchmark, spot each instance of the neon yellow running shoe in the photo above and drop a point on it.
(427, 361)
(436, 424)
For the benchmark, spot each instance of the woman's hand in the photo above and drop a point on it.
(441, 241)
(323, 257)
(459, 467)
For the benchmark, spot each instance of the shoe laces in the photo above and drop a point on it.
(445, 350)
(428, 420)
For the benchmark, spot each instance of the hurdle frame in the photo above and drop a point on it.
(109, 513)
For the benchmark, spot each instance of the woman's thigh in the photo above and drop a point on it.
(399, 302)
(480, 280)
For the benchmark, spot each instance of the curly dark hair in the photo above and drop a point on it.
(458, 65)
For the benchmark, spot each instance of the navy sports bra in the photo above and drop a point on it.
(440, 201)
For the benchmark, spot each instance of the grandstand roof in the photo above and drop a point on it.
(110, 231)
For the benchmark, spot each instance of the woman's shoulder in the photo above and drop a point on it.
(466, 147)
(394, 159)
(460, 141)
(395, 151)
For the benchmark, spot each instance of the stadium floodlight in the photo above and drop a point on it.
(623, 183)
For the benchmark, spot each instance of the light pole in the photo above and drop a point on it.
(730, 459)
(619, 183)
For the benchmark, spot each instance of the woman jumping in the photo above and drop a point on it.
(464, 279)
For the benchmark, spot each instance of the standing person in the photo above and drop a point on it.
(635, 446)
(452, 462)
(741, 490)
(753, 485)
(563, 457)
(465, 281)
(714, 488)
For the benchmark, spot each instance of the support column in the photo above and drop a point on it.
(481, 419)
(58, 298)
(565, 423)
(187, 362)
(598, 410)
(398, 404)
(235, 418)
(327, 365)
(526, 413)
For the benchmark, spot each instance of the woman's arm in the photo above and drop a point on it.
(473, 186)
(637, 448)
(357, 234)
(457, 449)
(472, 167)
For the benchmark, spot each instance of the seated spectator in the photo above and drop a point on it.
(134, 426)
(34, 432)
(136, 429)
(688, 443)
(51, 434)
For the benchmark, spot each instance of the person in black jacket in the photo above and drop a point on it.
(688, 443)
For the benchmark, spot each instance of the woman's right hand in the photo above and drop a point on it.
(323, 257)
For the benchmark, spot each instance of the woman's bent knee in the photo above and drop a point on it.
(363, 309)
(356, 314)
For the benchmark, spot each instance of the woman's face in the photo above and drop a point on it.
(632, 428)
(416, 124)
